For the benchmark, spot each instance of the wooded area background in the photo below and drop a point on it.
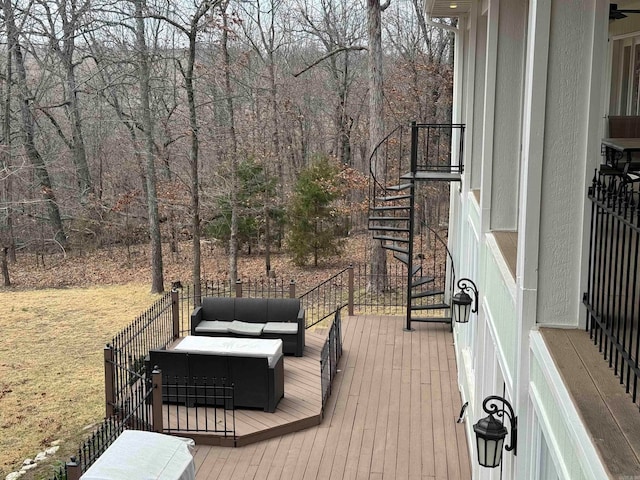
(132, 121)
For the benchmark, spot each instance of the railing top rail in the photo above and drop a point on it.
(440, 125)
(326, 281)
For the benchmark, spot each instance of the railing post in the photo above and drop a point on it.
(238, 288)
(109, 381)
(74, 470)
(350, 301)
(414, 147)
(292, 289)
(175, 312)
(156, 400)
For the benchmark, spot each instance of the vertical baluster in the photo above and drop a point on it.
(604, 263)
(636, 306)
(616, 280)
(611, 265)
(631, 283)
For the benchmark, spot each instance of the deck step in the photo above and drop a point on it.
(404, 258)
(391, 239)
(393, 198)
(421, 281)
(434, 306)
(390, 207)
(431, 319)
(384, 228)
(427, 293)
(389, 219)
(399, 188)
(433, 175)
(396, 248)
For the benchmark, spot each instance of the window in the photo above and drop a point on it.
(625, 76)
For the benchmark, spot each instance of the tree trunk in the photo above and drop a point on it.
(5, 267)
(193, 161)
(28, 130)
(157, 285)
(233, 237)
(69, 27)
(275, 138)
(7, 184)
(378, 275)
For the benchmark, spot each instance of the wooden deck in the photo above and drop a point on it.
(391, 415)
(608, 411)
(300, 408)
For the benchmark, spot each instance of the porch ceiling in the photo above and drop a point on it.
(447, 8)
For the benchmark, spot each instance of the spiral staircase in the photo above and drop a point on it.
(410, 173)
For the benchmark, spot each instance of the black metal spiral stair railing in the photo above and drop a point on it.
(408, 155)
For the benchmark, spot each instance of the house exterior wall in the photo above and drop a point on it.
(533, 104)
(509, 57)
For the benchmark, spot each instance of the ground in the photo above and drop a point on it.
(115, 266)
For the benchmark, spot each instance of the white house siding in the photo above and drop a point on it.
(575, 457)
(534, 106)
(499, 305)
(568, 92)
(477, 95)
(511, 45)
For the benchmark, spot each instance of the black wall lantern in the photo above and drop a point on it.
(491, 432)
(462, 301)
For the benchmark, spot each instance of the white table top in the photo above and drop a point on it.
(232, 346)
(144, 456)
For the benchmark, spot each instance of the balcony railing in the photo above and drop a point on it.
(613, 291)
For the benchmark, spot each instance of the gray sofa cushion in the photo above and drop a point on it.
(246, 328)
(213, 326)
(281, 327)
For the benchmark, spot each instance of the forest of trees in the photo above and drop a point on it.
(137, 121)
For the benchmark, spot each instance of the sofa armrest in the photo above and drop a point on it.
(196, 318)
(301, 331)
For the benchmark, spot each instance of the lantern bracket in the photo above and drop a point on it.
(506, 410)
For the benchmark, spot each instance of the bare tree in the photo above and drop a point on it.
(338, 27)
(191, 23)
(8, 240)
(157, 284)
(228, 90)
(25, 98)
(378, 280)
(59, 22)
(266, 38)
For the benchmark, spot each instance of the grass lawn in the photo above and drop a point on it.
(51, 365)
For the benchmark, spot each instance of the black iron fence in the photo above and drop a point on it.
(329, 358)
(197, 404)
(613, 294)
(124, 356)
(101, 438)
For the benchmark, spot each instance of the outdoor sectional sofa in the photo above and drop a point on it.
(256, 372)
(276, 318)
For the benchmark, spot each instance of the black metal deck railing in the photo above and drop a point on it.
(329, 358)
(612, 298)
(209, 406)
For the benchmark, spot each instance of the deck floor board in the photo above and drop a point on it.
(391, 413)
